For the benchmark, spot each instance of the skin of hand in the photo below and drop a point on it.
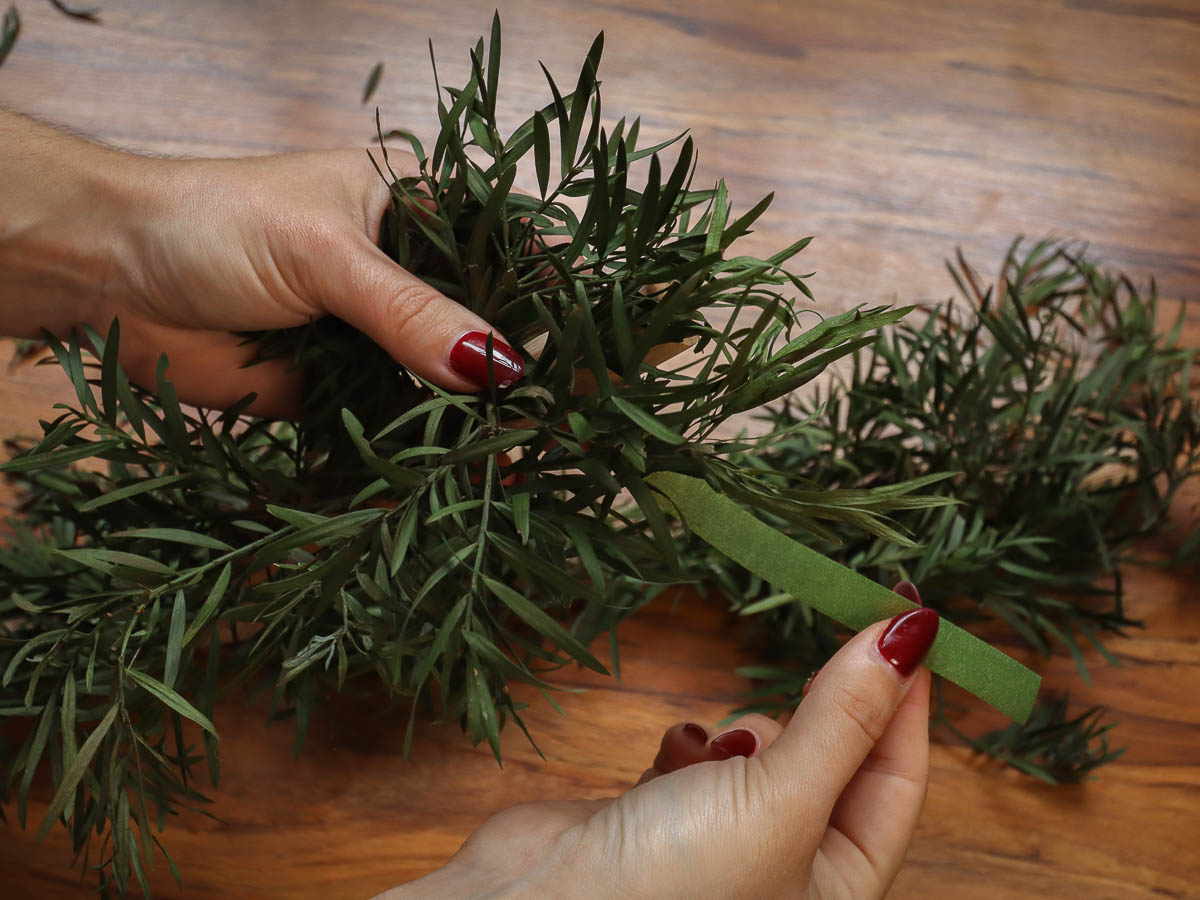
(184, 252)
(822, 808)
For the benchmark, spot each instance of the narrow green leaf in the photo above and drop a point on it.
(135, 410)
(648, 210)
(76, 12)
(57, 458)
(109, 367)
(441, 640)
(520, 507)
(73, 775)
(206, 611)
(404, 536)
(68, 721)
(580, 101)
(646, 502)
(106, 560)
(11, 27)
(543, 624)
(398, 476)
(170, 698)
(715, 242)
(493, 73)
(176, 427)
(37, 746)
(489, 446)
(526, 561)
(132, 490)
(175, 640)
(174, 535)
(741, 225)
(372, 82)
(541, 153)
(297, 517)
(647, 422)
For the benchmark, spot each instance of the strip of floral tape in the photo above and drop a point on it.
(842, 594)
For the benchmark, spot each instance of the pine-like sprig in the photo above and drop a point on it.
(1068, 414)
(435, 545)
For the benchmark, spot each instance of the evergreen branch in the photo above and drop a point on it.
(1069, 417)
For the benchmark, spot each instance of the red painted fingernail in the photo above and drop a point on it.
(741, 742)
(696, 732)
(908, 638)
(468, 358)
(908, 591)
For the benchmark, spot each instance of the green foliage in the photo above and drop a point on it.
(1050, 746)
(88, 13)
(435, 545)
(372, 82)
(10, 28)
(1069, 418)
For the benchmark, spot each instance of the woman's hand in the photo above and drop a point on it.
(824, 808)
(186, 251)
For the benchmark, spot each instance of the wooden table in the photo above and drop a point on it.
(893, 131)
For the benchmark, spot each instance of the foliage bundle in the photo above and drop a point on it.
(441, 546)
(429, 543)
(1068, 417)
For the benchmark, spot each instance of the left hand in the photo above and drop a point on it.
(184, 252)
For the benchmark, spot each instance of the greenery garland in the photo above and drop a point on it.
(441, 546)
(1069, 418)
(428, 542)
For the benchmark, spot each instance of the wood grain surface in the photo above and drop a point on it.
(892, 131)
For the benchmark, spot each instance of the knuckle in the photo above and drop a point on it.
(862, 709)
(740, 798)
(411, 309)
(756, 793)
(316, 238)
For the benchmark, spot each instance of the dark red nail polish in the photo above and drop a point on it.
(908, 591)
(741, 742)
(908, 638)
(468, 358)
(696, 732)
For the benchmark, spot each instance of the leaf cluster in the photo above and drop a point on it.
(434, 545)
(1067, 415)
(1052, 746)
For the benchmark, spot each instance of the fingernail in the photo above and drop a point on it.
(741, 742)
(908, 591)
(908, 638)
(468, 357)
(696, 732)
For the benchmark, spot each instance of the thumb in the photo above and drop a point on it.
(845, 714)
(422, 329)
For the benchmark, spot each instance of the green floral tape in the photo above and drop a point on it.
(842, 594)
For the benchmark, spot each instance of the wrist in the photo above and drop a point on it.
(458, 879)
(451, 880)
(66, 252)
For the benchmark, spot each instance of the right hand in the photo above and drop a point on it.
(824, 808)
